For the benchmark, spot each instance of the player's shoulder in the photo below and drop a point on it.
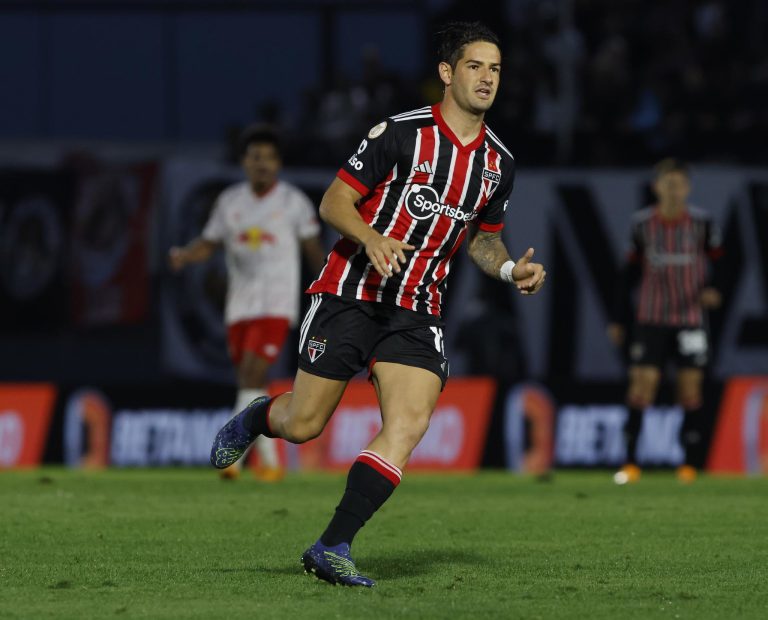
(293, 194)
(233, 193)
(495, 142)
(697, 213)
(404, 122)
(643, 214)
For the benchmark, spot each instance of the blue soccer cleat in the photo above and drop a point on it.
(334, 565)
(234, 439)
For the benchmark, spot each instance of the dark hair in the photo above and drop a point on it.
(258, 134)
(455, 36)
(670, 164)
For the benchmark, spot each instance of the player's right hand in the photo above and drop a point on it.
(386, 253)
(616, 333)
(177, 258)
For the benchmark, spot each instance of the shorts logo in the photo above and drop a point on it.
(422, 202)
(315, 349)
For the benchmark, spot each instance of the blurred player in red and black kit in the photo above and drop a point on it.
(673, 248)
(418, 184)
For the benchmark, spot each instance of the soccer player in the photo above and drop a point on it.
(671, 248)
(262, 223)
(418, 184)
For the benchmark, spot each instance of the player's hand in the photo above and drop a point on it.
(616, 333)
(177, 258)
(710, 298)
(529, 277)
(386, 253)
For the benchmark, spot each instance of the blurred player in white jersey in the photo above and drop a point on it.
(263, 224)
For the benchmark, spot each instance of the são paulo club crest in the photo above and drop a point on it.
(315, 348)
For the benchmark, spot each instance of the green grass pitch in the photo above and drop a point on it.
(182, 544)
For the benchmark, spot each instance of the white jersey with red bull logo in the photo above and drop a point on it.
(261, 237)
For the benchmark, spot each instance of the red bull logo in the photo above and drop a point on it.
(255, 237)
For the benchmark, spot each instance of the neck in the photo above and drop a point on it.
(466, 125)
(260, 189)
(671, 210)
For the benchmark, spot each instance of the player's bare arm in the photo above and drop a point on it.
(338, 209)
(196, 251)
(489, 253)
(313, 251)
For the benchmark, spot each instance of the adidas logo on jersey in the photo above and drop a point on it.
(424, 166)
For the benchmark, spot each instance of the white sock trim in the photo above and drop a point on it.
(383, 462)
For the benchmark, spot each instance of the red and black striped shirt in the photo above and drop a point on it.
(673, 256)
(420, 185)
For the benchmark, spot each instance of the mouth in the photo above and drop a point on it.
(483, 92)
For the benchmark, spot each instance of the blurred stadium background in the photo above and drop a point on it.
(117, 125)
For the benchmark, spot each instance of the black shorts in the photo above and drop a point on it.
(655, 345)
(339, 338)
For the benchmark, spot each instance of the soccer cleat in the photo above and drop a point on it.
(686, 474)
(234, 439)
(230, 473)
(628, 474)
(269, 474)
(334, 565)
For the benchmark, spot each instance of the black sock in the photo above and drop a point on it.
(632, 433)
(369, 485)
(256, 419)
(690, 435)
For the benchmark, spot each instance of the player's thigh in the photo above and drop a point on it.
(407, 397)
(252, 371)
(643, 384)
(689, 382)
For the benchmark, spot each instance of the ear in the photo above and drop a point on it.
(446, 73)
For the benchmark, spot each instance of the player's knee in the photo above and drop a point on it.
(640, 399)
(690, 401)
(409, 429)
(299, 429)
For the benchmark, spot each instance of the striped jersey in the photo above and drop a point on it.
(419, 185)
(673, 256)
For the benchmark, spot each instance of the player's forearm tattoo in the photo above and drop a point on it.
(488, 252)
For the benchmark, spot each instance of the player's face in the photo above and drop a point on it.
(673, 188)
(474, 81)
(261, 163)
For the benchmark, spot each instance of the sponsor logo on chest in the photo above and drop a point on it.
(423, 203)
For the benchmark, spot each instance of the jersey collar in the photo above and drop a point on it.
(443, 126)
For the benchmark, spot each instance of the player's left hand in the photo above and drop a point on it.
(710, 298)
(529, 277)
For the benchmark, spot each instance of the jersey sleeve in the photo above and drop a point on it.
(713, 240)
(492, 215)
(307, 225)
(636, 248)
(215, 228)
(374, 159)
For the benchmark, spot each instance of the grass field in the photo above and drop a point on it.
(181, 544)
